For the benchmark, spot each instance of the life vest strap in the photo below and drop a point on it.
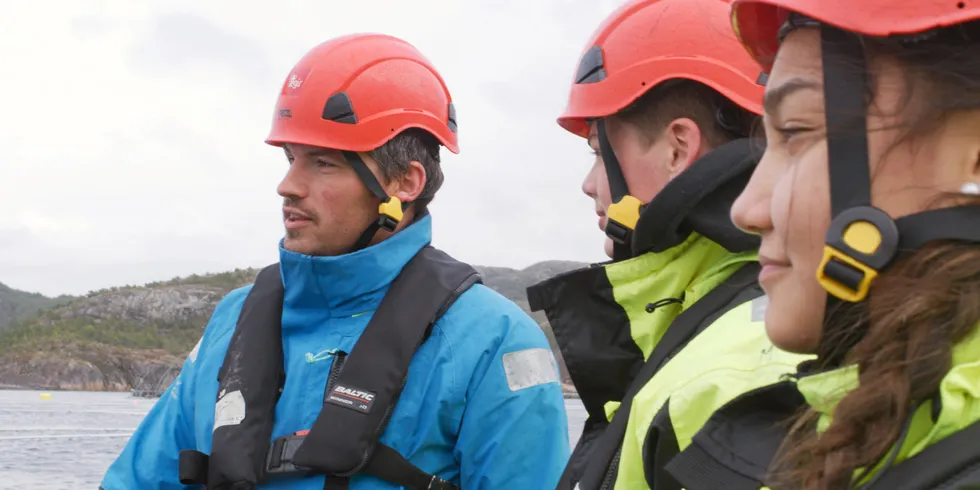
(193, 467)
(951, 463)
(388, 464)
(385, 463)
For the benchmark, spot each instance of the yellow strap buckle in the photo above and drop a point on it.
(860, 242)
(391, 214)
(621, 218)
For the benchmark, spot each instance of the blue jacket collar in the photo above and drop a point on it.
(352, 283)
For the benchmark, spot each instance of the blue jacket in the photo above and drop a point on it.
(469, 412)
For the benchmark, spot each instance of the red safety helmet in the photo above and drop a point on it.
(646, 42)
(358, 91)
(862, 240)
(354, 93)
(757, 22)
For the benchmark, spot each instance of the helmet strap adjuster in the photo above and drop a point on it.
(391, 211)
(621, 219)
(860, 242)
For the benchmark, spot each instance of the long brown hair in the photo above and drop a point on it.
(902, 338)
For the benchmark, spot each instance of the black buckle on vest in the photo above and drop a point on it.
(192, 467)
(279, 459)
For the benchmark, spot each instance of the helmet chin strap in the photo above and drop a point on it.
(863, 240)
(624, 212)
(390, 211)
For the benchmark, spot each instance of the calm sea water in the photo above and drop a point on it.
(67, 441)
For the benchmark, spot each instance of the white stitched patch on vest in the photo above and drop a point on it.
(530, 367)
(230, 410)
(759, 306)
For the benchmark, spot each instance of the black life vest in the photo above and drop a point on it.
(593, 330)
(362, 389)
(736, 447)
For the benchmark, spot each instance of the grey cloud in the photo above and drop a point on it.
(54, 269)
(179, 41)
(91, 25)
(510, 63)
(529, 45)
(16, 237)
(78, 278)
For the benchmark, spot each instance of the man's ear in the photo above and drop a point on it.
(409, 186)
(683, 137)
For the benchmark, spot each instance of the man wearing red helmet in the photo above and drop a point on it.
(366, 358)
(671, 328)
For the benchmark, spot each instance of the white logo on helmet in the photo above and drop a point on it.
(294, 82)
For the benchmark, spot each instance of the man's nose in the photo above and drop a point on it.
(293, 185)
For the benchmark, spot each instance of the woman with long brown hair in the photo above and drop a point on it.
(868, 204)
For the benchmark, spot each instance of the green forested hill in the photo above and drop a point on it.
(15, 305)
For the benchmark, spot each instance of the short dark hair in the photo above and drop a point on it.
(719, 119)
(413, 144)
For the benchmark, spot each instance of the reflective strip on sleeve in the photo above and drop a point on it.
(530, 367)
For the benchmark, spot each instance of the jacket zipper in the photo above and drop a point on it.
(610, 477)
(338, 362)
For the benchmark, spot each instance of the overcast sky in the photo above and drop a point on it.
(131, 136)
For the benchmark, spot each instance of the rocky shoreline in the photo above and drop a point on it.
(88, 367)
(136, 337)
